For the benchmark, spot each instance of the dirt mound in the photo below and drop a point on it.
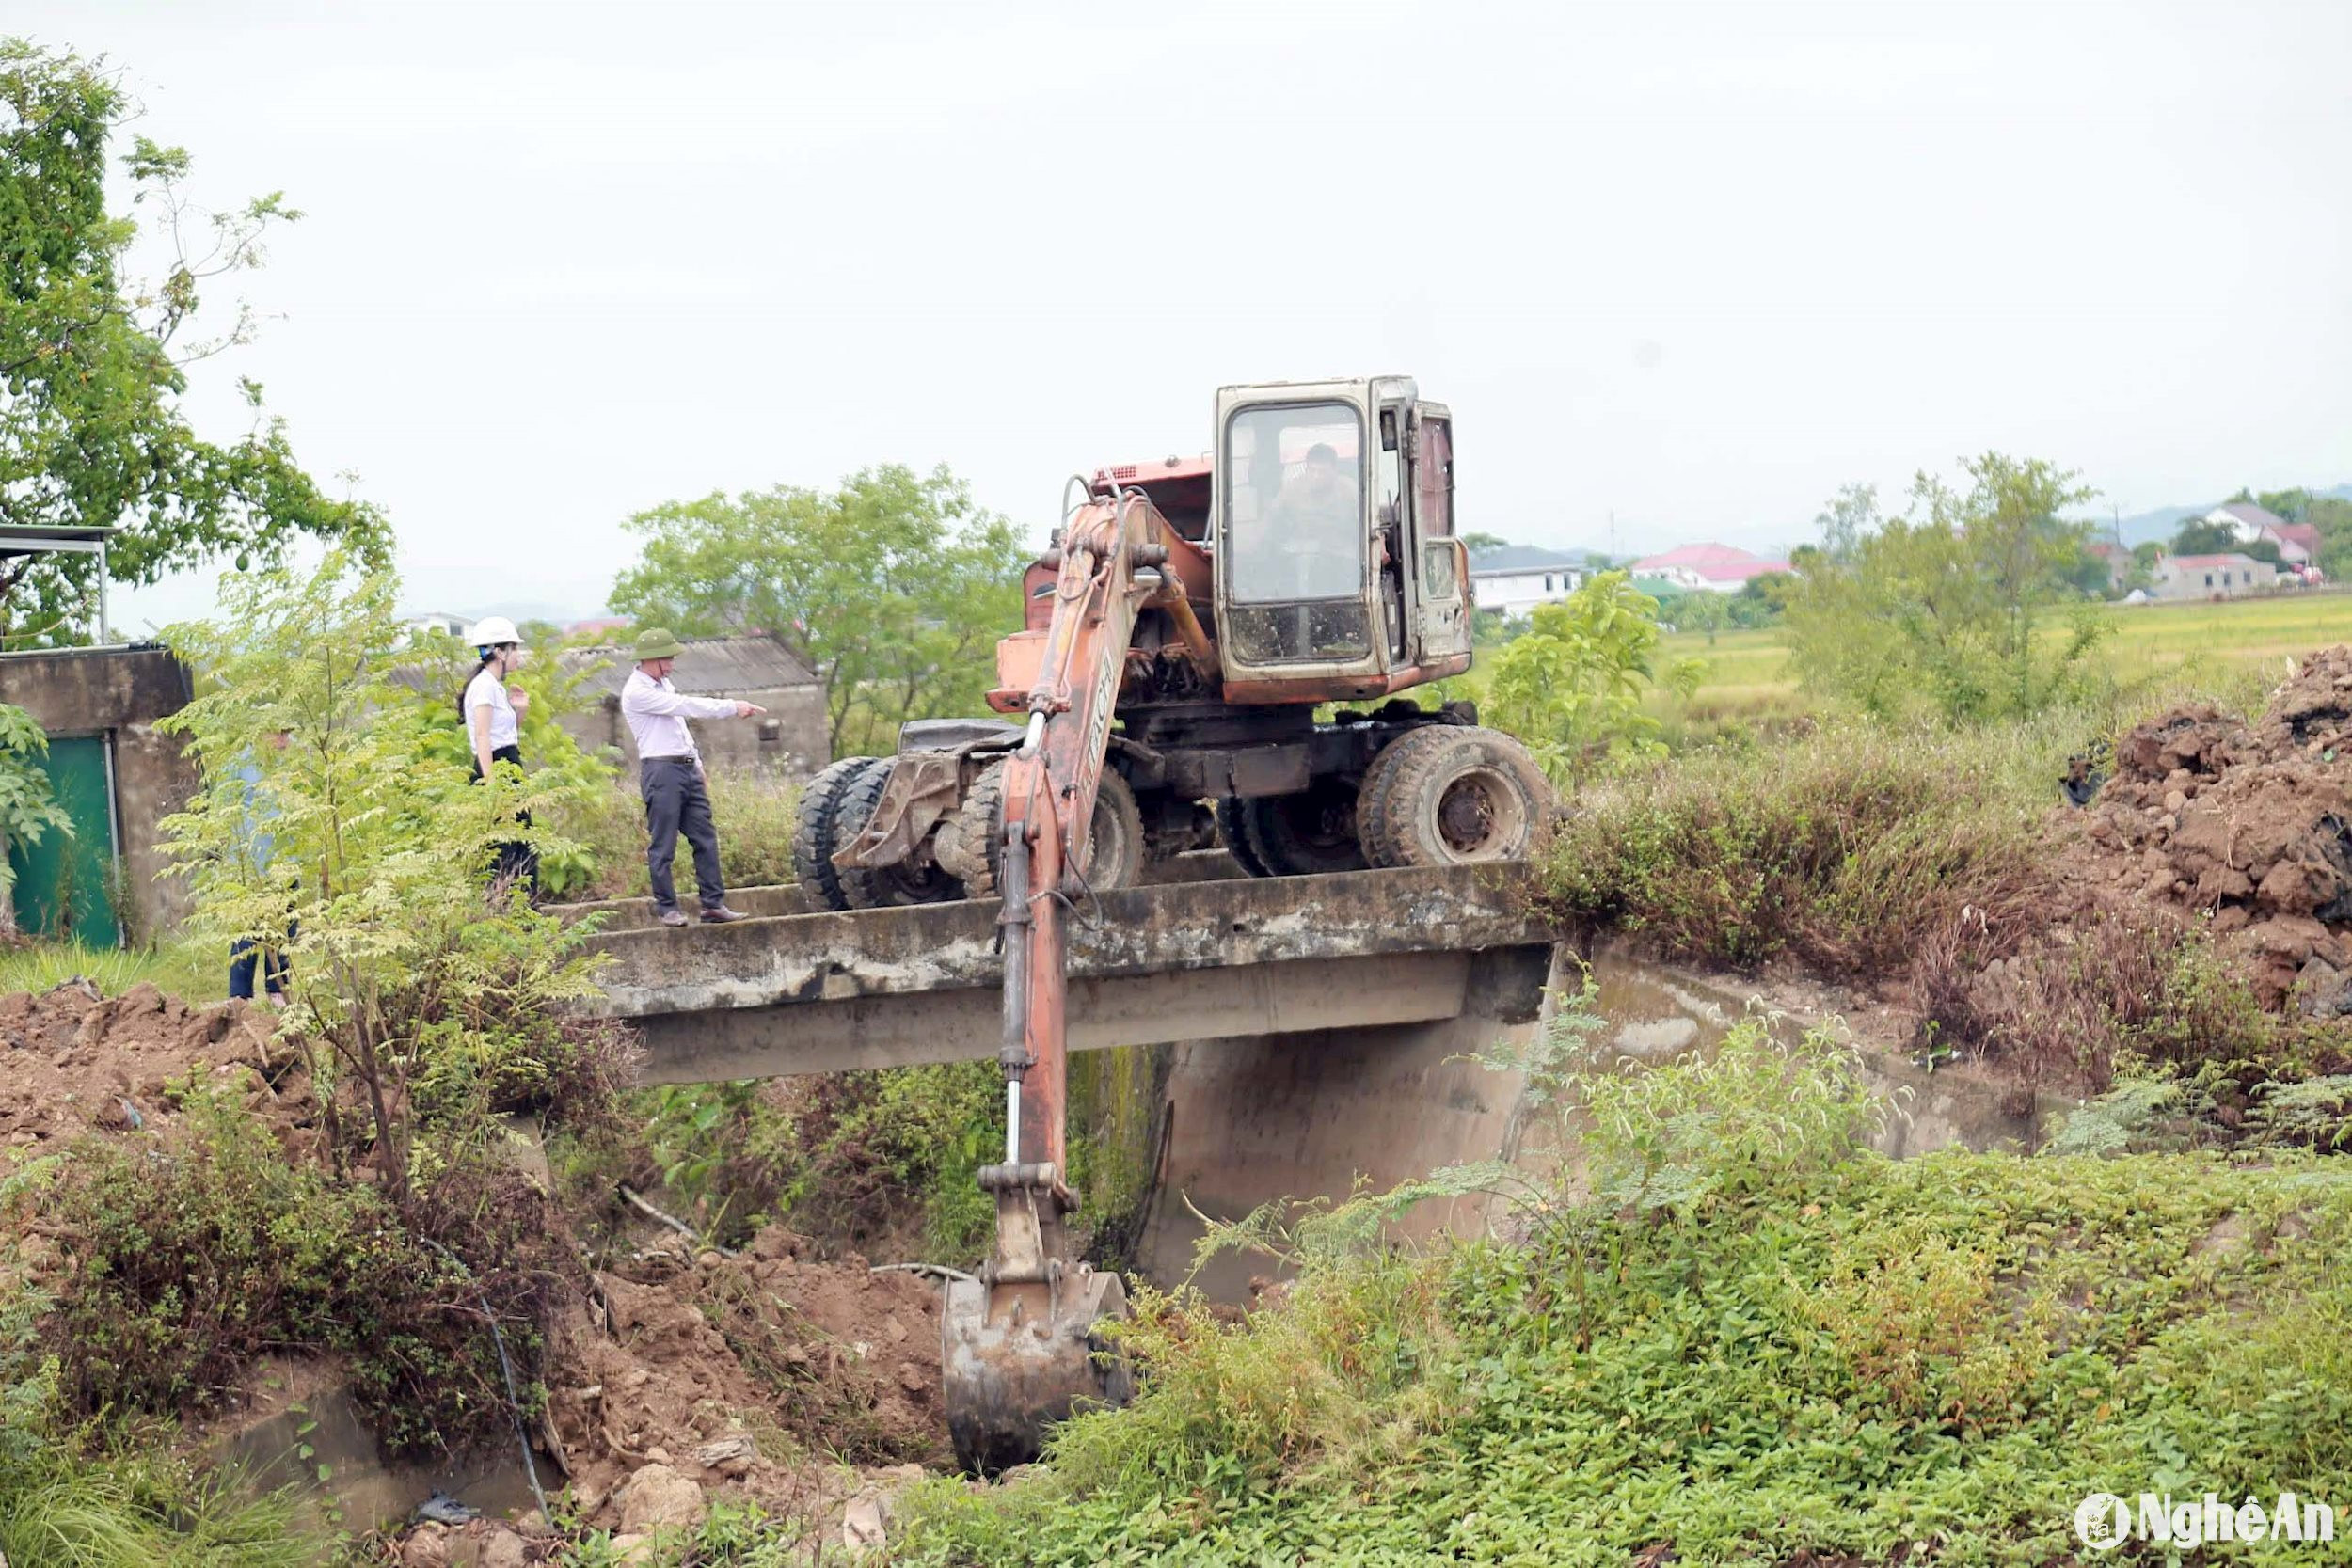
(805, 1383)
(71, 1063)
(737, 1370)
(2249, 824)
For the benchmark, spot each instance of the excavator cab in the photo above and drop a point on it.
(1339, 575)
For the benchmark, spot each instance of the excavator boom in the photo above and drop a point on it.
(1020, 1342)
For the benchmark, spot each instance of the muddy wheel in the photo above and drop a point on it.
(968, 840)
(1451, 795)
(1237, 838)
(1117, 858)
(915, 881)
(979, 824)
(813, 840)
(1307, 833)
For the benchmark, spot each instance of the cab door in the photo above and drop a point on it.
(1442, 566)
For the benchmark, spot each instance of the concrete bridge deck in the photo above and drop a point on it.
(786, 993)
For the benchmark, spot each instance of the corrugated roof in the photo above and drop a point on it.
(709, 666)
(2199, 562)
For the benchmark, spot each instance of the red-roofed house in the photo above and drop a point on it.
(2212, 577)
(1722, 568)
(2298, 543)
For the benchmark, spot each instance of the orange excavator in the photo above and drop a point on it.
(1183, 628)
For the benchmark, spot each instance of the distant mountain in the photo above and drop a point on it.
(2161, 524)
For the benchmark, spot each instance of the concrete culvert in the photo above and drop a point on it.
(1451, 795)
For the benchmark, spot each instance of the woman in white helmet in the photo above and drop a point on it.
(493, 713)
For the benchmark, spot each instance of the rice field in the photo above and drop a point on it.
(1748, 676)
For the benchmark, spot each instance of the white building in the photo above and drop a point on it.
(2213, 577)
(1517, 578)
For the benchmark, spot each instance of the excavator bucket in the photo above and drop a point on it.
(1022, 1343)
(1020, 1357)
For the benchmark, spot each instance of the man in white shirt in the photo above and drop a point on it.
(670, 776)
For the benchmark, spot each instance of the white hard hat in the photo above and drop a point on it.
(491, 630)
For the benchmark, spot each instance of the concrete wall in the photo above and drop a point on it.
(789, 738)
(119, 693)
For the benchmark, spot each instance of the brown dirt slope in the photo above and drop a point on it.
(2247, 824)
(762, 1373)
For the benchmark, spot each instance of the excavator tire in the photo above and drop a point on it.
(1237, 838)
(1119, 849)
(814, 837)
(969, 837)
(1307, 833)
(887, 886)
(1118, 856)
(1451, 795)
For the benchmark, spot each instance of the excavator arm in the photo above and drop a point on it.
(1020, 1346)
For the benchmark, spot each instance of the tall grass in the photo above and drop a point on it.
(194, 970)
(753, 816)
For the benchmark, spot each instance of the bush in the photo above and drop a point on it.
(192, 1256)
(1845, 851)
(857, 1156)
(1814, 1354)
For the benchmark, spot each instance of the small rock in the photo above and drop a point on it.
(2173, 801)
(659, 1496)
(729, 1456)
(634, 1551)
(862, 1523)
(427, 1546)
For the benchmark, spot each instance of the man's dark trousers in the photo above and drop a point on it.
(677, 802)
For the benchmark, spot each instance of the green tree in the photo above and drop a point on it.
(1942, 605)
(893, 588)
(92, 365)
(1571, 687)
(423, 992)
(27, 809)
(1703, 612)
(2196, 536)
(1484, 544)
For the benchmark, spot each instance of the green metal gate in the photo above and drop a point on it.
(64, 885)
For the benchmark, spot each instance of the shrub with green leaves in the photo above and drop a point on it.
(1806, 1351)
(1572, 685)
(417, 986)
(193, 1256)
(27, 808)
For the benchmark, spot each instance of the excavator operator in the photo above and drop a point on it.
(1317, 525)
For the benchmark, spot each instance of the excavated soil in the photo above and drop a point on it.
(2248, 825)
(70, 1063)
(809, 1385)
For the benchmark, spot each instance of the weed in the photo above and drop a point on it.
(1829, 1355)
(195, 1255)
(183, 967)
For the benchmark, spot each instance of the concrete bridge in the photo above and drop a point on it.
(1308, 1033)
(784, 993)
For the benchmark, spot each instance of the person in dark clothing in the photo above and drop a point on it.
(249, 959)
(670, 775)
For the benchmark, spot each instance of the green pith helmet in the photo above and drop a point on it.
(656, 642)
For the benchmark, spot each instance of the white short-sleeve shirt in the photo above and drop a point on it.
(488, 690)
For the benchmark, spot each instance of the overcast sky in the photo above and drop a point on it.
(1696, 265)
